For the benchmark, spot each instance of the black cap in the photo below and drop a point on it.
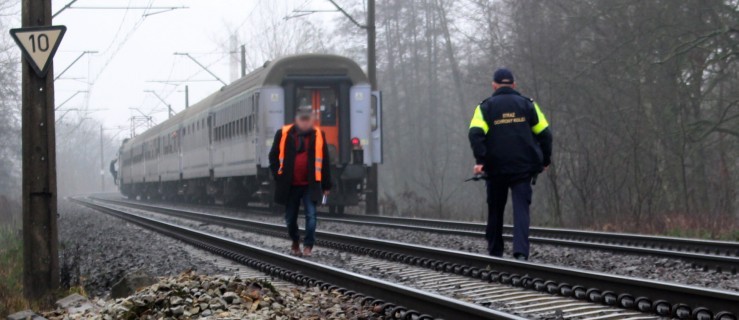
(503, 76)
(304, 112)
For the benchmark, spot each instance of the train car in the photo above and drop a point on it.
(217, 150)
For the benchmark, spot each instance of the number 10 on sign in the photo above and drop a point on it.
(39, 45)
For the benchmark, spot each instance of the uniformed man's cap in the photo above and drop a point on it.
(503, 76)
(304, 112)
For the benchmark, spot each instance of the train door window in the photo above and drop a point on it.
(325, 102)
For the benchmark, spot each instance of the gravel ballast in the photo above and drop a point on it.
(648, 267)
(97, 250)
(196, 296)
(373, 267)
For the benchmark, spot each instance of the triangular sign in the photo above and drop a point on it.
(39, 45)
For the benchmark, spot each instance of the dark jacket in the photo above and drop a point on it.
(510, 135)
(283, 182)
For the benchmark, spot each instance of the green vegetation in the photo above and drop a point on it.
(11, 271)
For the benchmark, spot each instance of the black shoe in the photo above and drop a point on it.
(520, 257)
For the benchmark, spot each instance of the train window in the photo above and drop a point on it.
(329, 107)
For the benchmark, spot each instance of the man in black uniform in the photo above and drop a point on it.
(511, 143)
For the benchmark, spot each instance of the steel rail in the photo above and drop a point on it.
(311, 273)
(664, 299)
(729, 248)
(706, 261)
(715, 247)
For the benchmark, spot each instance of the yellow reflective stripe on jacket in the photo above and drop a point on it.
(478, 121)
(542, 124)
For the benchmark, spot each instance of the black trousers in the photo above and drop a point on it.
(497, 189)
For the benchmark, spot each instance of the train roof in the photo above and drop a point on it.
(271, 73)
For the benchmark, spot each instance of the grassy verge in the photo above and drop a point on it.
(715, 227)
(11, 272)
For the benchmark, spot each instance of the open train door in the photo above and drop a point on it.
(377, 156)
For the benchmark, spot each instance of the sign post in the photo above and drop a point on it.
(39, 41)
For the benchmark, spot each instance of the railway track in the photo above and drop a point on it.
(396, 299)
(662, 299)
(721, 256)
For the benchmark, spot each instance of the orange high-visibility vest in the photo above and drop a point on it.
(319, 150)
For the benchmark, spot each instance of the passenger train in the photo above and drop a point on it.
(216, 151)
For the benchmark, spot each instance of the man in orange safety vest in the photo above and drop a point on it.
(299, 161)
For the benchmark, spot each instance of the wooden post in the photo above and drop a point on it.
(40, 243)
(372, 180)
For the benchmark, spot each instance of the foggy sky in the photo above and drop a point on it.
(134, 50)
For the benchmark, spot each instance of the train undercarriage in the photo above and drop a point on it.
(349, 183)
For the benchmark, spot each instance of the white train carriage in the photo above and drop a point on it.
(217, 150)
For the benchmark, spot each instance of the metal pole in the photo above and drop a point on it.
(243, 60)
(40, 242)
(372, 180)
(102, 161)
(187, 97)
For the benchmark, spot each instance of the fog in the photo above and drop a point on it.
(642, 96)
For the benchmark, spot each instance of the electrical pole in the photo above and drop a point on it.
(372, 180)
(187, 97)
(243, 60)
(40, 242)
(102, 161)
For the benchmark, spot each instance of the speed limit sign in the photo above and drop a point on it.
(39, 45)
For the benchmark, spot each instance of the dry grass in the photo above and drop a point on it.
(720, 227)
(11, 277)
(11, 272)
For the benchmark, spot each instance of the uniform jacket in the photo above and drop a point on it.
(510, 135)
(283, 182)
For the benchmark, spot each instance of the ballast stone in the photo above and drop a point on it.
(25, 315)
